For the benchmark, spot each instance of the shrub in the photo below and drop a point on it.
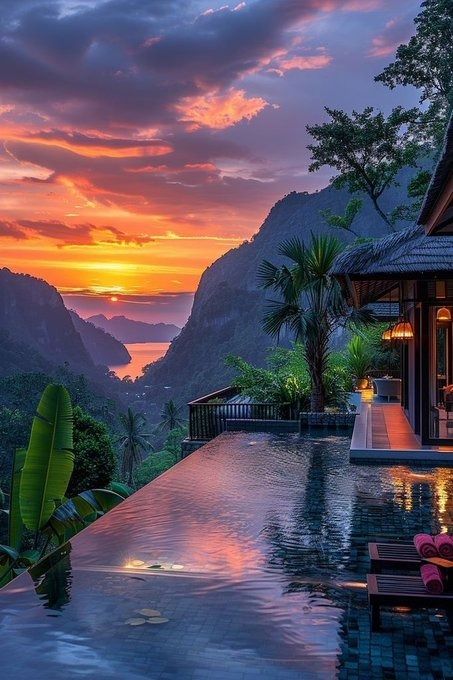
(94, 458)
(153, 466)
(173, 443)
(286, 379)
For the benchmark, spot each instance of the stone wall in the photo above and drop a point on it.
(331, 421)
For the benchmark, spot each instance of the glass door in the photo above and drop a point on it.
(441, 372)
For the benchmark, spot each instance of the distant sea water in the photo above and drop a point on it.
(142, 353)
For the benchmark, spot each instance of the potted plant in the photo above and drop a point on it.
(358, 361)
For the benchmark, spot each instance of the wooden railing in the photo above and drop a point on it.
(208, 415)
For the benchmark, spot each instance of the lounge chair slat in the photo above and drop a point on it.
(393, 556)
(394, 590)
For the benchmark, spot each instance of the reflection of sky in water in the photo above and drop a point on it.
(255, 535)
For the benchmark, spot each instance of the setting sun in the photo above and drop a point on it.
(113, 298)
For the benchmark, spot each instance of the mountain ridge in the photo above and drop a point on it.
(104, 349)
(229, 305)
(131, 331)
(33, 314)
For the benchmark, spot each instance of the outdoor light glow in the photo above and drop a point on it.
(443, 314)
(402, 331)
(387, 334)
(134, 564)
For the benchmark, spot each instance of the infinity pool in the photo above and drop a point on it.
(246, 560)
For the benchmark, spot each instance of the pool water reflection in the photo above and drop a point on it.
(250, 556)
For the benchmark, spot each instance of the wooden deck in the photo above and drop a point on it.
(390, 429)
(383, 433)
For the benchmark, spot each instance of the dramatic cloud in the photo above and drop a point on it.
(301, 62)
(69, 235)
(133, 131)
(11, 230)
(95, 146)
(219, 111)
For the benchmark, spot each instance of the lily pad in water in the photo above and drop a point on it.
(149, 612)
(135, 622)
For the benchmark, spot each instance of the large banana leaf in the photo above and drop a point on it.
(49, 460)
(121, 489)
(102, 500)
(15, 523)
(76, 513)
(71, 517)
(7, 554)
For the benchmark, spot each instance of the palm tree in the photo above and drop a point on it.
(170, 417)
(133, 442)
(311, 304)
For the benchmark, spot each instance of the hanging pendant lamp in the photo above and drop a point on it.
(402, 331)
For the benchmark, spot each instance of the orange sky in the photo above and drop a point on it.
(141, 141)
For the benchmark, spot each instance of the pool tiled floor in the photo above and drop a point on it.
(262, 541)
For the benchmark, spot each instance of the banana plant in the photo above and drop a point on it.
(49, 460)
(39, 482)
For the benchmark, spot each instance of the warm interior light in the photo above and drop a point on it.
(443, 314)
(402, 331)
(387, 334)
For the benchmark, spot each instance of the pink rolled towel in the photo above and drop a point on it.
(444, 546)
(432, 579)
(425, 546)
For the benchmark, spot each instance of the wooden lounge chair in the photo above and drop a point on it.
(393, 556)
(390, 590)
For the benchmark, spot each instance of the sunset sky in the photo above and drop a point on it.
(141, 139)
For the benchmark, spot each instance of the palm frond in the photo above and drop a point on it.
(294, 249)
(321, 255)
(268, 274)
(280, 314)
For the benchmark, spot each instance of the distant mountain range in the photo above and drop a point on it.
(37, 332)
(130, 331)
(229, 305)
(103, 348)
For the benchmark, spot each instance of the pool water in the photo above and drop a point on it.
(250, 556)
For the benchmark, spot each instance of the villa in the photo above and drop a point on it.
(415, 268)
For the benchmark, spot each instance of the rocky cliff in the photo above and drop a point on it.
(104, 349)
(32, 314)
(229, 305)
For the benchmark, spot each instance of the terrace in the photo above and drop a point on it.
(382, 432)
(245, 560)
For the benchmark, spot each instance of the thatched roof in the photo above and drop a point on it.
(441, 176)
(398, 255)
(369, 272)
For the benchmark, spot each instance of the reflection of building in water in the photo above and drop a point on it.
(408, 491)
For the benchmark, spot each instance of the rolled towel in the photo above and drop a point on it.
(425, 546)
(432, 579)
(444, 546)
